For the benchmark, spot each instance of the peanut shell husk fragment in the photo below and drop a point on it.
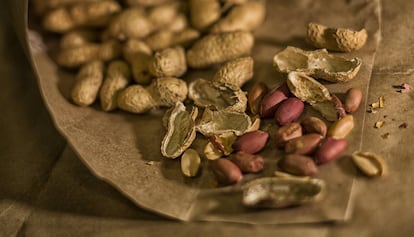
(318, 63)
(181, 131)
(275, 192)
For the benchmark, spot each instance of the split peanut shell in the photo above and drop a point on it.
(275, 192)
(223, 121)
(181, 131)
(318, 64)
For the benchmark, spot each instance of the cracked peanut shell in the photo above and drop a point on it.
(181, 131)
(336, 39)
(317, 63)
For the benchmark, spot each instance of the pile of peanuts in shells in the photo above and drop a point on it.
(132, 55)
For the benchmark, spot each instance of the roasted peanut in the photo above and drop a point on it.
(161, 92)
(248, 163)
(78, 56)
(218, 48)
(138, 55)
(203, 13)
(146, 3)
(298, 165)
(76, 38)
(168, 38)
(340, 110)
(226, 171)
(169, 62)
(353, 99)
(303, 145)
(235, 72)
(164, 14)
(329, 149)
(251, 142)
(94, 13)
(190, 163)
(131, 23)
(255, 96)
(245, 17)
(289, 111)
(369, 163)
(314, 125)
(342, 127)
(224, 142)
(286, 133)
(88, 82)
(272, 100)
(117, 78)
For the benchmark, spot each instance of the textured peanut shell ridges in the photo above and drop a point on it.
(336, 39)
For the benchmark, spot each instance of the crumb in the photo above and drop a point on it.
(385, 116)
(149, 162)
(403, 125)
(381, 101)
(405, 88)
(385, 135)
(379, 124)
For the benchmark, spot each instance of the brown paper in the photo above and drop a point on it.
(117, 146)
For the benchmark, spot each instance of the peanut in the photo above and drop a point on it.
(87, 84)
(78, 56)
(117, 78)
(169, 62)
(218, 48)
(314, 125)
(299, 165)
(131, 23)
(251, 142)
(286, 133)
(289, 111)
(161, 92)
(226, 171)
(342, 127)
(163, 14)
(340, 110)
(203, 13)
(369, 163)
(235, 72)
(168, 38)
(353, 99)
(272, 100)
(338, 39)
(190, 163)
(329, 150)
(76, 38)
(138, 54)
(246, 17)
(146, 3)
(255, 96)
(248, 163)
(303, 145)
(97, 13)
(224, 142)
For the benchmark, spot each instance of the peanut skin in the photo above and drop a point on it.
(272, 100)
(330, 149)
(299, 165)
(248, 163)
(255, 96)
(287, 132)
(251, 142)
(303, 145)
(289, 111)
(226, 171)
(353, 100)
(314, 125)
(340, 110)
